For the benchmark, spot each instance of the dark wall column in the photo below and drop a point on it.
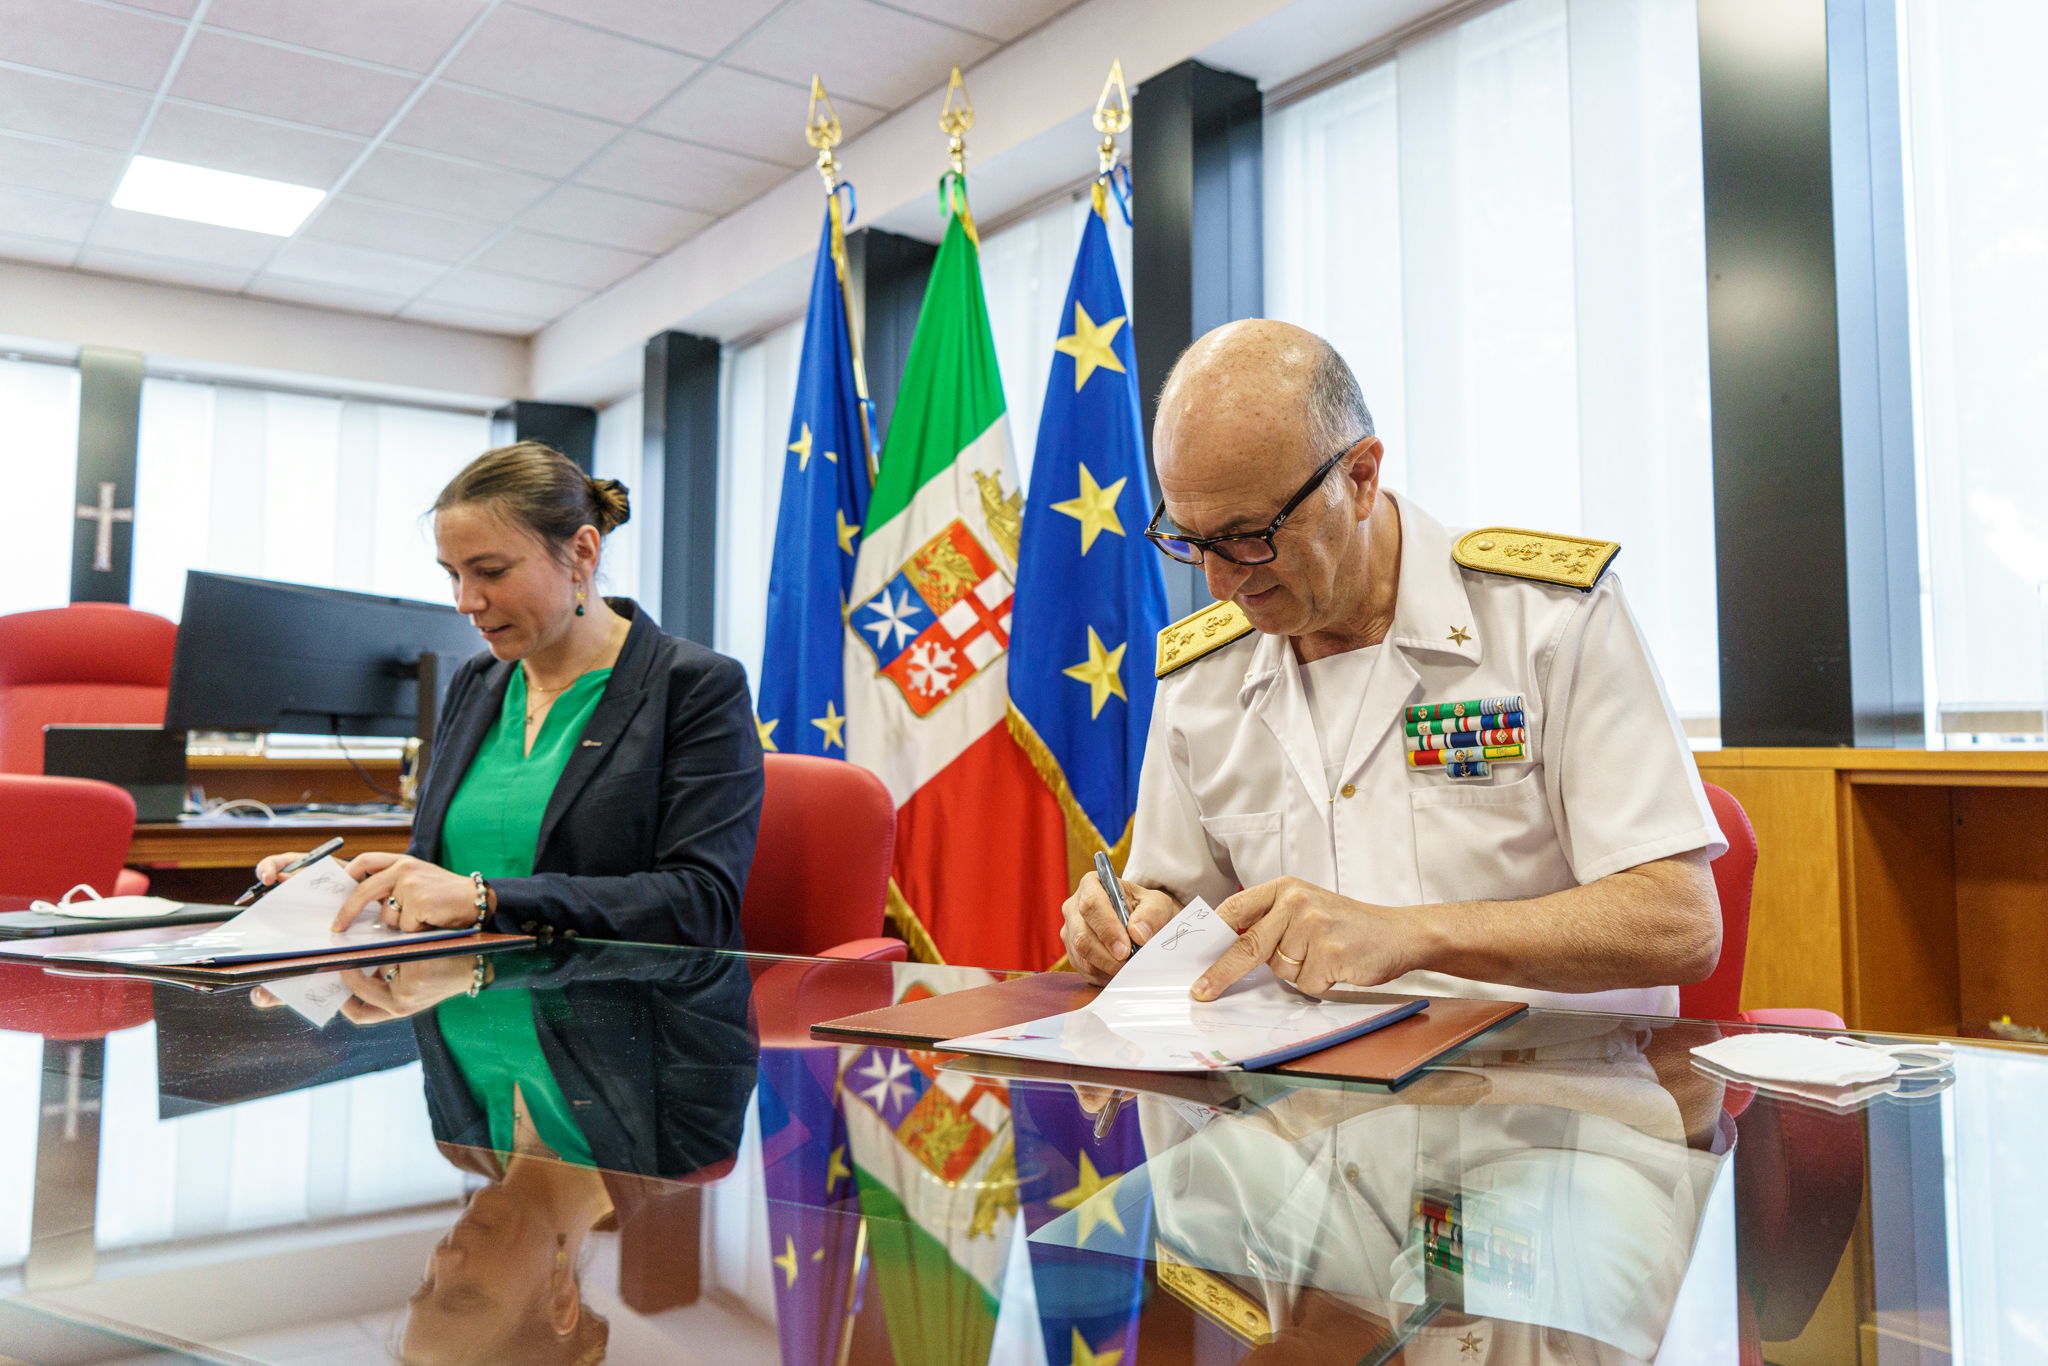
(680, 401)
(570, 428)
(887, 277)
(109, 425)
(1198, 255)
(1812, 603)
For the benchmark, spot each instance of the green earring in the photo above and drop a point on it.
(579, 602)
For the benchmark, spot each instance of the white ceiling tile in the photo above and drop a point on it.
(151, 235)
(64, 170)
(466, 124)
(681, 173)
(72, 110)
(503, 294)
(474, 319)
(162, 270)
(410, 34)
(57, 217)
(260, 79)
(863, 51)
(614, 220)
(88, 40)
(430, 182)
(539, 57)
(177, 9)
(37, 249)
(326, 296)
(385, 227)
(567, 263)
(742, 112)
(229, 142)
(337, 263)
(704, 27)
(998, 19)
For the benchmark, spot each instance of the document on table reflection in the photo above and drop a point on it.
(1146, 1021)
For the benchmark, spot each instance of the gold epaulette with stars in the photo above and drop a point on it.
(1572, 561)
(1196, 634)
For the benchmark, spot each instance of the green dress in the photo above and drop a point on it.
(493, 827)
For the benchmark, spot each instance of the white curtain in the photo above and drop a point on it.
(1997, 1207)
(1977, 139)
(38, 467)
(326, 491)
(632, 554)
(758, 390)
(1502, 230)
(1024, 274)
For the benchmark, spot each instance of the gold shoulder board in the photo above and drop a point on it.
(1195, 635)
(1572, 561)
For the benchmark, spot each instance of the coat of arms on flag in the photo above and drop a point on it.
(939, 620)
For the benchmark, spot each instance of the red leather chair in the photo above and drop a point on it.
(820, 879)
(92, 663)
(61, 832)
(1719, 997)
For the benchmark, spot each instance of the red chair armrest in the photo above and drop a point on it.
(1794, 1017)
(870, 950)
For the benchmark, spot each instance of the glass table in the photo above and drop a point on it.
(638, 1154)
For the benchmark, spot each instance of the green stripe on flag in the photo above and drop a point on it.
(952, 390)
(938, 1313)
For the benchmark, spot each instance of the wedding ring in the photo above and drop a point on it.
(389, 974)
(1287, 957)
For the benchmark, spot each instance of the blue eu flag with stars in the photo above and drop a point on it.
(1090, 599)
(826, 480)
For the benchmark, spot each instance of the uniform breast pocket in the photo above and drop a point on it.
(1252, 841)
(1487, 843)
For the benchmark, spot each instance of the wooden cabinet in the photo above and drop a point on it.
(1903, 889)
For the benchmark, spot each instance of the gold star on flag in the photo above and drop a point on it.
(787, 1261)
(832, 722)
(1091, 1199)
(1089, 345)
(1099, 672)
(802, 447)
(835, 1167)
(1083, 1356)
(1094, 509)
(847, 530)
(767, 729)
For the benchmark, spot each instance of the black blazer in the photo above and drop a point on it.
(650, 831)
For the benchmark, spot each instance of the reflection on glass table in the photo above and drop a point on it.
(633, 1154)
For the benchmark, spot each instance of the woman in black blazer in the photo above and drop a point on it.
(632, 818)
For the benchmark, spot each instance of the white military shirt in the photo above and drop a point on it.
(1234, 791)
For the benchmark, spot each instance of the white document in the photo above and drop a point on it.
(289, 922)
(1146, 1021)
(317, 996)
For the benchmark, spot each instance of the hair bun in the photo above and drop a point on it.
(609, 502)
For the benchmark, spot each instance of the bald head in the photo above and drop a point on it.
(1242, 385)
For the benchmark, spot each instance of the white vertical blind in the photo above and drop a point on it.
(758, 391)
(1502, 231)
(1977, 141)
(39, 468)
(326, 491)
(632, 554)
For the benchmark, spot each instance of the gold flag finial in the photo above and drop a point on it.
(954, 121)
(823, 132)
(1112, 118)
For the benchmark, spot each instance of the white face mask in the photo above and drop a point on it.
(93, 906)
(1808, 1065)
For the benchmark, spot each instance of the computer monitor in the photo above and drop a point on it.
(258, 655)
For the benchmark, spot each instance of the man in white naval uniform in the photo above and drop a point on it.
(1573, 873)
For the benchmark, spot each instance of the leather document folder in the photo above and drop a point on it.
(1387, 1056)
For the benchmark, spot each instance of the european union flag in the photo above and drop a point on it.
(801, 700)
(1090, 599)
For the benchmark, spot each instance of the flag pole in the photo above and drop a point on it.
(954, 121)
(1111, 118)
(823, 132)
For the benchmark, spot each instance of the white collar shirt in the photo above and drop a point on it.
(1234, 790)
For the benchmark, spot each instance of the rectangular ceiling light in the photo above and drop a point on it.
(195, 193)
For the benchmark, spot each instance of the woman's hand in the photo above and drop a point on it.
(410, 894)
(401, 989)
(273, 867)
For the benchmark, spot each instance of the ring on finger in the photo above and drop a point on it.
(389, 975)
(1287, 957)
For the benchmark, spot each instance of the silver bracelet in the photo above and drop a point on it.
(483, 900)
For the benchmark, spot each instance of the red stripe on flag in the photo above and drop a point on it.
(981, 856)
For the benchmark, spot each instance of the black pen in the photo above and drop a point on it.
(249, 897)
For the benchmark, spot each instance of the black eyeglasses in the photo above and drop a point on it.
(1241, 547)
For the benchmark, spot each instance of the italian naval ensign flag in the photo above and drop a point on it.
(980, 843)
